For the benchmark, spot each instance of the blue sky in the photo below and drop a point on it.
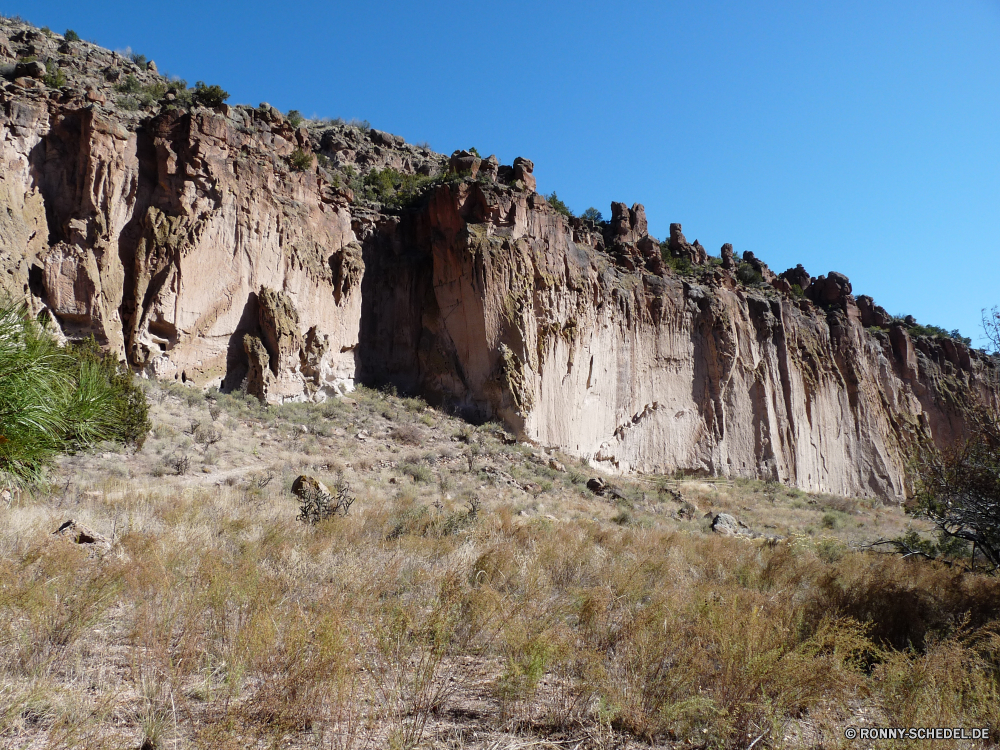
(861, 137)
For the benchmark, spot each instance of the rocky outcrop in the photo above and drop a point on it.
(225, 246)
(588, 350)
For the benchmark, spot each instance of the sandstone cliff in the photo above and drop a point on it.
(225, 246)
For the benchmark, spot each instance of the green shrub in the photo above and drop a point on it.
(138, 59)
(558, 205)
(128, 396)
(209, 96)
(56, 399)
(679, 265)
(137, 95)
(938, 332)
(71, 36)
(295, 118)
(748, 275)
(592, 214)
(391, 188)
(54, 76)
(300, 160)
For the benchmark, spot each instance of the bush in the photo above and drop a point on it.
(71, 36)
(54, 76)
(208, 96)
(137, 95)
(747, 275)
(558, 205)
(391, 188)
(317, 505)
(959, 491)
(295, 118)
(138, 59)
(592, 214)
(54, 400)
(129, 400)
(300, 160)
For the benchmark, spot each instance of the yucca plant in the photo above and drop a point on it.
(55, 399)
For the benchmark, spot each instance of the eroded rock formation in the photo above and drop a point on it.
(226, 246)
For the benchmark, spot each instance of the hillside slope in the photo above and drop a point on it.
(228, 245)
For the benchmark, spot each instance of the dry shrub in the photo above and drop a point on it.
(954, 682)
(253, 629)
(904, 602)
(306, 675)
(49, 599)
(408, 434)
(406, 650)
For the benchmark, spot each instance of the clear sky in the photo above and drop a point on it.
(861, 137)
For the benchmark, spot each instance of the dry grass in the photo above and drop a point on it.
(498, 606)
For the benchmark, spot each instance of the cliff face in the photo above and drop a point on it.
(223, 246)
(567, 335)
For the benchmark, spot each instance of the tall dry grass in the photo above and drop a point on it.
(218, 622)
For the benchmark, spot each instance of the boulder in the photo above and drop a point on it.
(381, 138)
(490, 167)
(687, 511)
(728, 261)
(80, 534)
(728, 525)
(309, 488)
(523, 169)
(782, 285)
(33, 69)
(872, 314)
(833, 288)
(680, 248)
(556, 465)
(797, 275)
(465, 162)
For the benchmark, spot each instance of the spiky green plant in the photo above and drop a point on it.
(55, 399)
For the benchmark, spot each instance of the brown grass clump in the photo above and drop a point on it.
(453, 607)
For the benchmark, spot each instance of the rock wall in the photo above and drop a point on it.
(227, 246)
(564, 333)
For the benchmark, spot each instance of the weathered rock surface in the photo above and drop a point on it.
(186, 239)
(79, 533)
(728, 525)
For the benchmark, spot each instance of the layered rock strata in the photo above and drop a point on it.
(229, 246)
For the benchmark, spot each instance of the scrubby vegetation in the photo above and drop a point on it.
(473, 597)
(390, 187)
(54, 76)
(747, 275)
(300, 161)
(209, 96)
(55, 399)
(959, 492)
(554, 201)
(136, 95)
